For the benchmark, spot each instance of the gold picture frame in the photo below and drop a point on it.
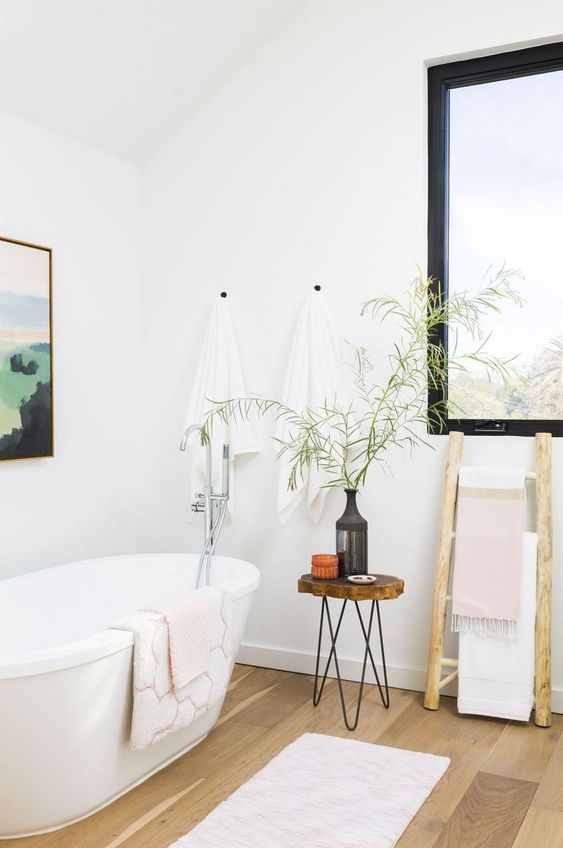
(26, 350)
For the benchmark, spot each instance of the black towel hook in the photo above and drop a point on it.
(317, 287)
(223, 294)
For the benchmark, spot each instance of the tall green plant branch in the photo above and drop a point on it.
(346, 441)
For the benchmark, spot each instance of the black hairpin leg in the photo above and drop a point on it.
(318, 690)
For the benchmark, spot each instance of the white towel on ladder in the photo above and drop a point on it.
(314, 376)
(218, 377)
(496, 676)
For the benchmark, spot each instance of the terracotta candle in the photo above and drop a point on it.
(324, 566)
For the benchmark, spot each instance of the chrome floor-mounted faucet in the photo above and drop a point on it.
(212, 504)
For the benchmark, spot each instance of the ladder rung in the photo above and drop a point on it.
(449, 663)
(447, 679)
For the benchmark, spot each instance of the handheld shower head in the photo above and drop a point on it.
(225, 471)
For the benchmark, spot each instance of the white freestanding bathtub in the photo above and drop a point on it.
(66, 683)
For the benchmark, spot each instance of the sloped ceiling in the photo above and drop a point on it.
(124, 74)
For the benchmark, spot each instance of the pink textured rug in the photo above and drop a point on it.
(323, 792)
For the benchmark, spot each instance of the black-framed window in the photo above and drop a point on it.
(495, 197)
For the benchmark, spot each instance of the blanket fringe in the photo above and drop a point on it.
(498, 628)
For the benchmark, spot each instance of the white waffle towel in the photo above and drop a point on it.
(218, 377)
(315, 376)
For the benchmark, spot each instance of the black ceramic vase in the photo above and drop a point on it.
(352, 538)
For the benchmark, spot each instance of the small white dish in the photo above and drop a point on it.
(362, 579)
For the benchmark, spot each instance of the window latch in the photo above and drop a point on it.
(489, 427)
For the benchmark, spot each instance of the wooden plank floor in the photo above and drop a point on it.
(504, 786)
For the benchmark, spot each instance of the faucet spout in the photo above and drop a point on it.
(193, 428)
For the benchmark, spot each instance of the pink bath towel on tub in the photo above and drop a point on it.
(159, 706)
(488, 550)
(187, 617)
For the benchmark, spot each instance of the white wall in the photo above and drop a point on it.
(85, 205)
(309, 165)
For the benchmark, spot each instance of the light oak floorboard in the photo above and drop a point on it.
(240, 673)
(541, 829)
(523, 752)
(490, 813)
(495, 767)
(148, 817)
(550, 790)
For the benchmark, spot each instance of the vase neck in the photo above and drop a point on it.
(351, 517)
(351, 505)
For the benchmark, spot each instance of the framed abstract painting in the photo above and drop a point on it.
(26, 360)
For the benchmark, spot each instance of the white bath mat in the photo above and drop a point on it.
(323, 792)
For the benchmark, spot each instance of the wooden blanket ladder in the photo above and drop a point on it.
(436, 660)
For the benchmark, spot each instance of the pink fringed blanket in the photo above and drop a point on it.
(488, 550)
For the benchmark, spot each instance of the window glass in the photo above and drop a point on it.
(506, 207)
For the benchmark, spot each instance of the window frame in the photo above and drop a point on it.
(441, 79)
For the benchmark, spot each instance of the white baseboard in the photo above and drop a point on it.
(304, 663)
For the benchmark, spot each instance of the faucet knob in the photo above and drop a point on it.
(198, 506)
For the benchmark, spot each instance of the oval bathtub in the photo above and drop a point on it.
(66, 683)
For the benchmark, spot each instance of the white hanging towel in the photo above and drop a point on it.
(314, 376)
(218, 378)
(496, 676)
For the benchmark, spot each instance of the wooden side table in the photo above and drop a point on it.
(385, 588)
